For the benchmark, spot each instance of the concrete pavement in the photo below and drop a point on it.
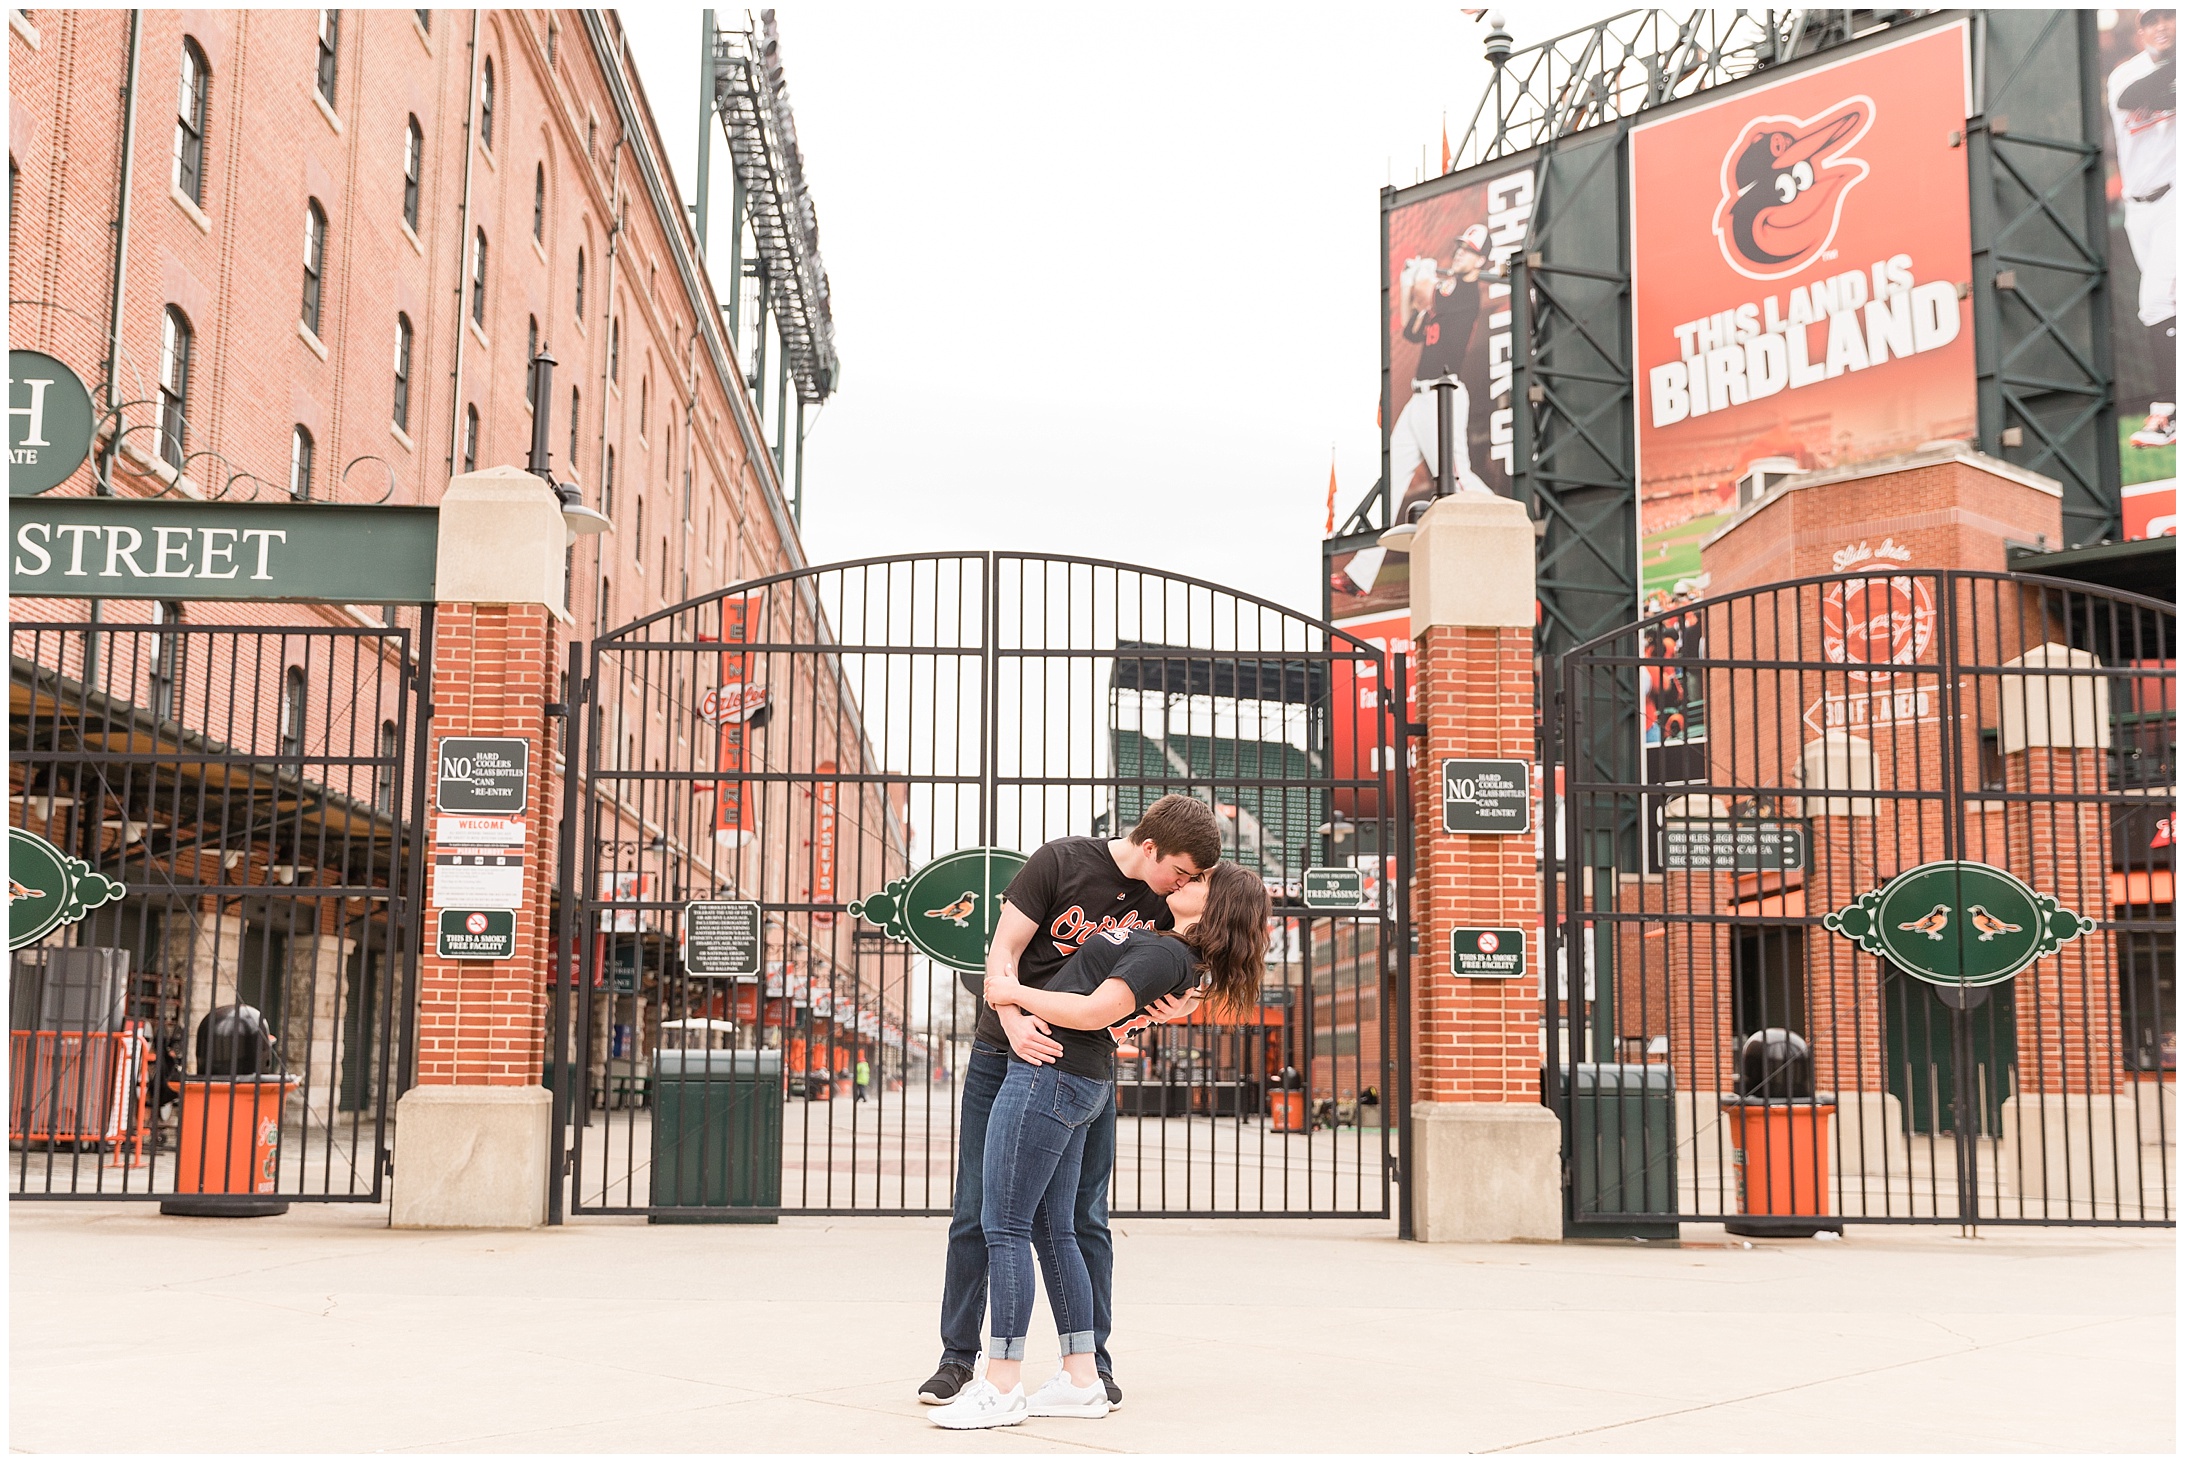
(324, 1331)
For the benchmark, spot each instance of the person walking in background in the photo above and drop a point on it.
(863, 1080)
(1036, 1135)
(1068, 891)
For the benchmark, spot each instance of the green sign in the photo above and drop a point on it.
(48, 889)
(177, 548)
(477, 934)
(947, 910)
(1958, 923)
(1497, 954)
(49, 423)
(1333, 888)
(1486, 795)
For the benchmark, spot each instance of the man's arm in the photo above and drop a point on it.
(1028, 1036)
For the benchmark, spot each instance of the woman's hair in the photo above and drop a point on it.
(1230, 939)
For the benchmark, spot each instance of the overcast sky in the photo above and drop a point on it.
(1104, 280)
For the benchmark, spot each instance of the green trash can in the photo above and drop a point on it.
(1622, 1154)
(716, 1135)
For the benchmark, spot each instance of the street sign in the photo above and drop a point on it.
(1496, 954)
(1486, 795)
(1334, 888)
(722, 937)
(1744, 847)
(49, 422)
(48, 889)
(477, 880)
(483, 775)
(168, 548)
(1958, 923)
(477, 934)
(948, 909)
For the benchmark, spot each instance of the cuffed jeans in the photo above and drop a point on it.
(963, 1286)
(1035, 1157)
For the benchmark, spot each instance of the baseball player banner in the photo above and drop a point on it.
(2139, 94)
(1797, 254)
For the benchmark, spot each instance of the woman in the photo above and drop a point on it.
(1035, 1140)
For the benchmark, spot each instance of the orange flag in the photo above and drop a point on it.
(1445, 142)
(1331, 498)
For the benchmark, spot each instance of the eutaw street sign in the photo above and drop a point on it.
(1958, 923)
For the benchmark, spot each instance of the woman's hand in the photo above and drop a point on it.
(1174, 1008)
(1001, 990)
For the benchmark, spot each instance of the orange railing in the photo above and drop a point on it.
(81, 1087)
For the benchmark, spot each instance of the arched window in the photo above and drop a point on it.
(329, 43)
(403, 336)
(580, 284)
(644, 392)
(637, 537)
(538, 204)
(485, 107)
(530, 354)
(478, 280)
(470, 439)
(607, 486)
(576, 410)
(191, 97)
(174, 386)
(606, 603)
(299, 462)
(614, 350)
(413, 171)
(293, 711)
(314, 261)
(424, 21)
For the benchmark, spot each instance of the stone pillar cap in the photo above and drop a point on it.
(1472, 564)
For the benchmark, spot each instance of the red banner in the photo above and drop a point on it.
(731, 706)
(823, 842)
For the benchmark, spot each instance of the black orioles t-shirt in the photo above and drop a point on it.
(1070, 888)
(1153, 966)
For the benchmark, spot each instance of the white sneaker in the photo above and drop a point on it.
(981, 1405)
(2161, 426)
(1063, 1398)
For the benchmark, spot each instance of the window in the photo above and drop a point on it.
(644, 390)
(591, 136)
(606, 603)
(478, 280)
(299, 463)
(531, 375)
(553, 47)
(614, 350)
(470, 439)
(402, 371)
(424, 21)
(174, 387)
(538, 204)
(637, 537)
(292, 711)
(383, 772)
(607, 486)
(166, 659)
(576, 404)
(580, 284)
(314, 261)
(413, 171)
(485, 107)
(329, 42)
(189, 123)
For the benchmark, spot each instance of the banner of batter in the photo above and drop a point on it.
(2139, 67)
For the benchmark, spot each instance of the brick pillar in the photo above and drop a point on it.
(1485, 1159)
(472, 1138)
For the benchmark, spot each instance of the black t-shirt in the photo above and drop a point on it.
(1070, 888)
(1447, 330)
(1152, 965)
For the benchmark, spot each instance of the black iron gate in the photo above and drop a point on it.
(796, 744)
(232, 1028)
(1735, 774)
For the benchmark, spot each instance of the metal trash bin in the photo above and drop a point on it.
(716, 1135)
(1623, 1149)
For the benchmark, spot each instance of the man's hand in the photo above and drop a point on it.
(1029, 1037)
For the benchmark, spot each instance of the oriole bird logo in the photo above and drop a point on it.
(1783, 186)
(958, 913)
(1929, 924)
(1988, 925)
(18, 891)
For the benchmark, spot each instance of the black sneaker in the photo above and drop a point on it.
(945, 1383)
(1115, 1393)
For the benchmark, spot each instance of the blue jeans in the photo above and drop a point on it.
(963, 1286)
(1035, 1157)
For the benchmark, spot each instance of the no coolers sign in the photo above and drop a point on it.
(163, 548)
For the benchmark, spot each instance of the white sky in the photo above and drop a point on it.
(1105, 281)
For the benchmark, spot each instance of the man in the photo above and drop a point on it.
(863, 1081)
(2142, 94)
(1068, 891)
(1440, 310)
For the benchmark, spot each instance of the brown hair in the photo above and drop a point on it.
(1180, 824)
(1230, 938)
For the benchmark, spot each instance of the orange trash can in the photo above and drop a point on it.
(1286, 1112)
(1781, 1150)
(227, 1153)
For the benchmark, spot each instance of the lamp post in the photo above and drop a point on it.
(575, 517)
(1400, 533)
